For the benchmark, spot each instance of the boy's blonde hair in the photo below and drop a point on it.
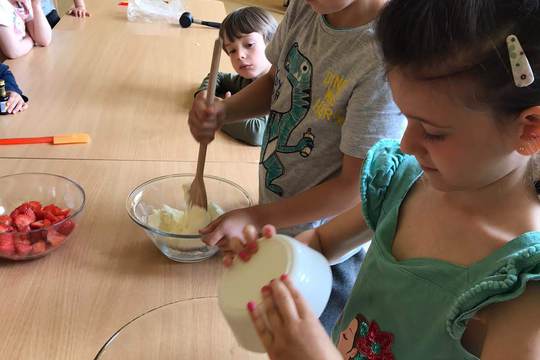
(248, 20)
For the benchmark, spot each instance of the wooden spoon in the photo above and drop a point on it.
(197, 191)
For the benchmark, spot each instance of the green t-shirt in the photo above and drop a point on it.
(419, 308)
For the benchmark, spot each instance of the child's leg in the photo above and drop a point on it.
(53, 18)
(249, 131)
(344, 275)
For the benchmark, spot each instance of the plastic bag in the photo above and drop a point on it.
(168, 11)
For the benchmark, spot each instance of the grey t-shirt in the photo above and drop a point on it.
(330, 98)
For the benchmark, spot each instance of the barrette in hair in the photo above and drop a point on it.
(521, 69)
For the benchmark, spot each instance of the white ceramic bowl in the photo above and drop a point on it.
(308, 270)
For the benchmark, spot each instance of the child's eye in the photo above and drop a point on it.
(250, 45)
(434, 137)
(232, 51)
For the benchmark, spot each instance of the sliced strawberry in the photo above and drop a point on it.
(6, 228)
(55, 238)
(22, 222)
(23, 247)
(40, 224)
(5, 220)
(6, 237)
(39, 247)
(65, 211)
(53, 209)
(49, 216)
(30, 213)
(19, 210)
(66, 227)
(37, 235)
(7, 247)
(39, 214)
(35, 206)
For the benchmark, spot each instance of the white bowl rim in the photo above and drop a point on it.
(179, 175)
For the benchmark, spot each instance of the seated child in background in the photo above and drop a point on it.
(22, 25)
(16, 100)
(453, 269)
(78, 9)
(245, 34)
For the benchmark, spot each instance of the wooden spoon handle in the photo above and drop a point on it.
(212, 79)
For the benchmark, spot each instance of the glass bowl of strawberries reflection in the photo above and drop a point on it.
(38, 213)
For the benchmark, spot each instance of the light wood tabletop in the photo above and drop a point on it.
(68, 303)
(129, 85)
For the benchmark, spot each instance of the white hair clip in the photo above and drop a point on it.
(521, 69)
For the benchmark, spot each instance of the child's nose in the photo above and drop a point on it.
(411, 142)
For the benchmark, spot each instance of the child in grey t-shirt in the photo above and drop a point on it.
(329, 103)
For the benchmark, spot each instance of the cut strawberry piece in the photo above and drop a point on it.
(66, 227)
(7, 247)
(49, 216)
(39, 214)
(40, 224)
(35, 206)
(22, 222)
(53, 209)
(6, 220)
(30, 213)
(6, 228)
(65, 211)
(55, 238)
(6, 237)
(19, 210)
(23, 247)
(39, 247)
(37, 235)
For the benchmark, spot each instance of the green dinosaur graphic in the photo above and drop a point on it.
(281, 125)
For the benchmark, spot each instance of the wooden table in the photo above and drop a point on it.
(129, 85)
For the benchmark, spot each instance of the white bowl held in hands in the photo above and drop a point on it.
(308, 270)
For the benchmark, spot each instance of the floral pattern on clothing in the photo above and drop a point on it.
(363, 340)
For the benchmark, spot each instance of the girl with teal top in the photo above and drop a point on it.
(452, 269)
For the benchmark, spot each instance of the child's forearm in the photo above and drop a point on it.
(337, 237)
(328, 199)
(39, 27)
(79, 4)
(253, 100)
(17, 48)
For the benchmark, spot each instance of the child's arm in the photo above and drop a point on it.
(513, 327)
(337, 237)
(11, 46)
(39, 28)
(330, 198)
(253, 100)
(16, 101)
(78, 9)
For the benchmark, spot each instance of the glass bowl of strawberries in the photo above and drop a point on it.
(38, 213)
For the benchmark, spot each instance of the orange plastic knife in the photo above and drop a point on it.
(81, 138)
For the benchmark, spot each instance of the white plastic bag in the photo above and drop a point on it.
(168, 11)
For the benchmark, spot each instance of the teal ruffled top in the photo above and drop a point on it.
(419, 308)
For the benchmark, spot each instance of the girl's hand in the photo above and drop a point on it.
(244, 247)
(78, 11)
(290, 330)
(15, 103)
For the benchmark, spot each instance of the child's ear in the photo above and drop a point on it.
(529, 125)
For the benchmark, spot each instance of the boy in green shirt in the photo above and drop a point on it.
(245, 34)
